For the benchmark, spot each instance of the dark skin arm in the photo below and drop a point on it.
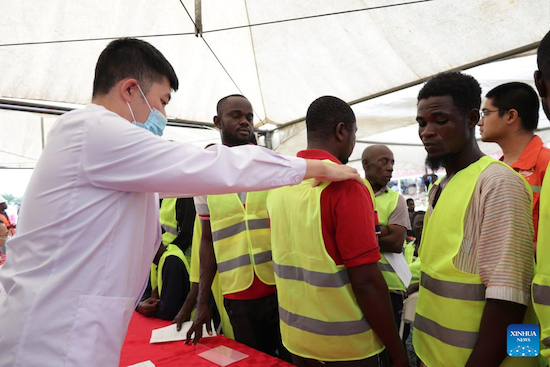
(391, 238)
(373, 297)
(185, 312)
(490, 349)
(207, 273)
(148, 307)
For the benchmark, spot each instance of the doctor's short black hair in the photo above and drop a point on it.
(324, 114)
(519, 96)
(131, 58)
(462, 88)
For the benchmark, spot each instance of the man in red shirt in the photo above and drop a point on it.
(314, 302)
(509, 118)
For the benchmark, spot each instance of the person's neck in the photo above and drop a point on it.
(110, 104)
(232, 144)
(470, 154)
(375, 187)
(513, 146)
(320, 146)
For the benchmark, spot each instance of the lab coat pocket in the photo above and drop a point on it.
(98, 330)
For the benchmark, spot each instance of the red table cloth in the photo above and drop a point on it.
(138, 349)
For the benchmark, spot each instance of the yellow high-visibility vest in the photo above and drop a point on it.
(242, 240)
(319, 314)
(385, 205)
(409, 252)
(194, 276)
(168, 221)
(415, 271)
(450, 302)
(541, 282)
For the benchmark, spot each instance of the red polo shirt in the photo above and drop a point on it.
(532, 166)
(347, 219)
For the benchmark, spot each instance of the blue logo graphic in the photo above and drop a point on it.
(523, 340)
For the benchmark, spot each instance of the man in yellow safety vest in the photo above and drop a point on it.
(333, 301)
(541, 282)
(236, 241)
(476, 250)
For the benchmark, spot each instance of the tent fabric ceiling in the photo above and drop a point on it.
(280, 67)
(49, 49)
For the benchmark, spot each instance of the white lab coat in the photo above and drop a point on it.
(88, 232)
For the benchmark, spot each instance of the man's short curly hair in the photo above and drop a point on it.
(325, 113)
(463, 89)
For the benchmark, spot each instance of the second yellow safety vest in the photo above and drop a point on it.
(450, 302)
(242, 240)
(320, 316)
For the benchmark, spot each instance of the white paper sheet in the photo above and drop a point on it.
(143, 364)
(170, 334)
(399, 264)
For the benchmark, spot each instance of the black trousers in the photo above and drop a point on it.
(256, 324)
(378, 360)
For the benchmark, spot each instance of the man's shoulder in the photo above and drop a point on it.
(346, 190)
(500, 177)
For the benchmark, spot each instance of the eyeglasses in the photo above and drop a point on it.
(485, 112)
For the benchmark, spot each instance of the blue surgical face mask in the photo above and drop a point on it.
(155, 123)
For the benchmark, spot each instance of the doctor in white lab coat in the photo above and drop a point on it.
(89, 225)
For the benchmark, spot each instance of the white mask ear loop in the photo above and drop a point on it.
(131, 112)
(146, 101)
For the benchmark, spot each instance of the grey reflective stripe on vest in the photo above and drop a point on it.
(170, 229)
(546, 341)
(237, 228)
(258, 223)
(541, 294)
(456, 338)
(385, 267)
(315, 278)
(234, 263)
(535, 189)
(336, 328)
(262, 257)
(230, 231)
(455, 290)
(414, 279)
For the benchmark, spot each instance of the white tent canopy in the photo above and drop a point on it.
(280, 54)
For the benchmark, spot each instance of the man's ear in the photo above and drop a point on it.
(340, 132)
(540, 84)
(217, 122)
(513, 116)
(127, 87)
(473, 118)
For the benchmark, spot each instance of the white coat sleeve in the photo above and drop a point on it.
(118, 155)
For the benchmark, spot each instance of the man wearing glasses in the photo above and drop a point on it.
(509, 118)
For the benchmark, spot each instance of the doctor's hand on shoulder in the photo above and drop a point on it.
(203, 315)
(148, 307)
(322, 171)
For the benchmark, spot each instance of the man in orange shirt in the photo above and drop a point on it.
(4, 218)
(509, 118)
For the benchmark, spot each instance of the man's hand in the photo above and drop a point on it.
(185, 312)
(413, 288)
(182, 316)
(148, 307)
(204, 315)
(322, 171)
